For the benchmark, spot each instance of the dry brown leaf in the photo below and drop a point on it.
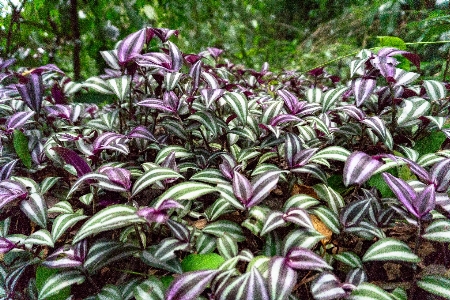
(322, 229)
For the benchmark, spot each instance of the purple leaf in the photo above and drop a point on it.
(304, 259)
(159, 214)
(414, 58)
(425, 201)
(284, 118)
(354, 112)
(6, 169)
(292, 146)
(190, 285)
(418, 170)
(291, 101)
(171, 100)
(66, 257)
(327, 287)
(73, 159)
(440, 174)
(11, 191)
(131, 46)
(386, 66)
(32, 92)
(6, 245)
(262, 186)
(47, 68)
(59, 111)
(242, 187)
(282, 278)
(170, 162)
(227, 166)
(362, 89)
(119, 176)
(175, 56)
(195, 72)
(215, 52)
(302, 157)
(298, 216)
(110, 140)
(359, 167)
(6, 63)
(155, 104)
(17, 120)
(164, 33)
(179, 231)
(141, 132)
(406, 194)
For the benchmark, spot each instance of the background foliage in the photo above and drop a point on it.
(288, 34)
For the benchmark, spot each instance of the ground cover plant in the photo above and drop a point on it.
(201, 179)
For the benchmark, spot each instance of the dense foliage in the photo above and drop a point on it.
(203, 179)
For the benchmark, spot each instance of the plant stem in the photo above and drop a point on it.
(416, 250)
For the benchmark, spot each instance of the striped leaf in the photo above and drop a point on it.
(180, 152)
(212, 176)
(219, 228)
(314, 95)
(299, 258)
(282, 278)
(328, 217)
(131, 46)
(298, 216)
(369, 291)
(331, 97)
(120, 86)
(333, 153)
(403, 77)
(435, 90)
(300, 201)
(300, 238)
(150, 289)
(205, 243)
(262, 185)
(292, 146)
(435, 284)
(64, 222)
(185, 191)
(227, 246)
(102, 180)
(190, 285)
(167, 247)
(59, 281)
(87, 199)
(226, 192)
(152, 176)
(62, 207)
(327, 287)
(378, 126)
(40, 237)
(390, 249)
(239, 105)
(412, 108)
(363, 89)
(72, 158)
(208, 120)
(110, 218)
(333, 198)
(249, 286)
(17, 120)
(35, 208)
(356, 276)
(211, 95)
(171, 80)
(354, 212)
(438, 231)
(109, 291)
(349, 258)
(359, 167)
(111, 59)
(274, 109)
(274, 220)
(48, 183)
(98, 84)
(218, 208)
(103, 253)
(440, 173)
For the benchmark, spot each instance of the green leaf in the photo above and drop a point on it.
(238, 103)
(435, 284)
(438, 231)
(207, 261)
(20, 141)
(185, 191)
(391, 41)
(369, 291)
(390, 249)
(58, 282)
(64, 222)
(42, 275)
(152, 176)
(110, 218)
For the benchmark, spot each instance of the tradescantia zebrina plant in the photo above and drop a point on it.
(205, 180)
